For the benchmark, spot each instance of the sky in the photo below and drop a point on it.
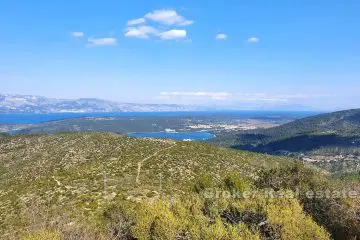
(300, 54)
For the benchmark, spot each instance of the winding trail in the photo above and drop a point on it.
(137, 181)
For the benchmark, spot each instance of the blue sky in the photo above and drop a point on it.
(246, 53)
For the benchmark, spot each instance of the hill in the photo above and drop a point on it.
(17, 103)
(37, 104)
(107, 186)
(325, 137)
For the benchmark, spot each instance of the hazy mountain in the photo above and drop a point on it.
(35, 104)
(14, 103)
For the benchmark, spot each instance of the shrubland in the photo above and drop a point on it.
(106, 186)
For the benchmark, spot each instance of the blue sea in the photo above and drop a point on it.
(33, 118)
(193, 136)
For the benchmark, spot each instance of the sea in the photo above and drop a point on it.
(35, 118)
(187, 136)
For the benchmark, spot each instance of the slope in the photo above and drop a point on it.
(107, 186)
(81, 168)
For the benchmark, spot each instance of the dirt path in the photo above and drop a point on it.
(137, 181)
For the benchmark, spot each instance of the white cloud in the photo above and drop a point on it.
(186, 22)
(140, 32)
(173, 34)
(259, 97)
(221, 36)
(136, 21)
(168, 17)
(160, 23)
(253, 40)
(213, 95)
(102, 41)
(276, 97)
(241, 97)
(77, 34)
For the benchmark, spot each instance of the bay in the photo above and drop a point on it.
(190, 136)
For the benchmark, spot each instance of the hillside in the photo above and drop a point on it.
(90, 185)
(29, 158)
(325, 137)
(70, 169)
(342, 123)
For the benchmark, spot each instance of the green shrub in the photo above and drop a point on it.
(203, 182)
(195, 217)
(332, 213)
(234, 181)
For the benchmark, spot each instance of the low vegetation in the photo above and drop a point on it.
(90, 186)
(328, 141)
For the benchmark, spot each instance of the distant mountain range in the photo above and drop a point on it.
(16, 103)
(36, 104)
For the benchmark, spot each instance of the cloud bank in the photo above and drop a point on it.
(245, 97)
